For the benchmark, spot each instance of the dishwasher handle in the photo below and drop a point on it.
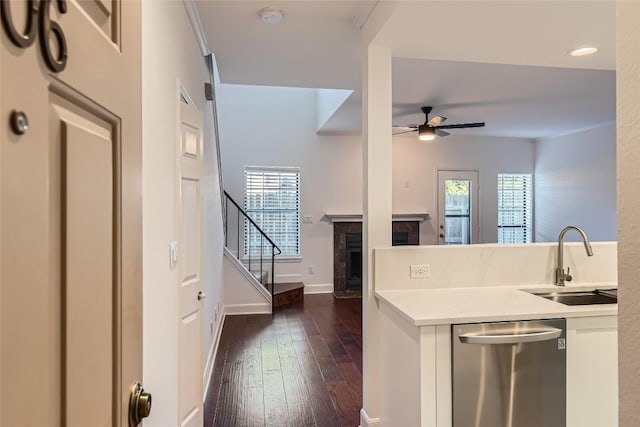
(536, 336)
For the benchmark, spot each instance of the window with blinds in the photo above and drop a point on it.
(515, 208)
(272, 200)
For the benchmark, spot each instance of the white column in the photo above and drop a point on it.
(376, 229)
(628, 153)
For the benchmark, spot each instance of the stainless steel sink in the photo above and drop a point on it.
(598, 296)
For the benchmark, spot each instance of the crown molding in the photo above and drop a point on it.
(196, 24)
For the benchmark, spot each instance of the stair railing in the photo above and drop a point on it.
(248, 226)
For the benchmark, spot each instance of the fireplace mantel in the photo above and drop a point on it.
(394, 217)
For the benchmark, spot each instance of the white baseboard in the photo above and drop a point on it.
(208, 370)
(322, 288)
(256, 308)
(365, 421)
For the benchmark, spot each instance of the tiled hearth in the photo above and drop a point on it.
(404, 232)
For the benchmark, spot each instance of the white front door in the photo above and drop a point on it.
(458, 197)
(190, 268)
(70, 217)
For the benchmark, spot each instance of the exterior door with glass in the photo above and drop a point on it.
(458, 197)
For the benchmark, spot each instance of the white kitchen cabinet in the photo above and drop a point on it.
(416, 370)
(592, 371)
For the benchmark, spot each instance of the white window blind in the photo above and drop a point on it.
(272, 200)
(515, 208)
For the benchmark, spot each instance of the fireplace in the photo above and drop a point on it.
(400, 238)
(347, 251)
(353, 273)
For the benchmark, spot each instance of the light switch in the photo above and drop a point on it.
(307, 219)
(173, 250)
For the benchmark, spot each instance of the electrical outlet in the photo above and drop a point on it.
(420, 271)
(312, 269)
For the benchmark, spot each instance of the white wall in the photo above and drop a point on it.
(170, 53)
(575, 184)
(243, 294)
(415, 168)
(269, 126)
(327, 102)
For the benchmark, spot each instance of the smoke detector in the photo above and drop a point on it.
(271, 15)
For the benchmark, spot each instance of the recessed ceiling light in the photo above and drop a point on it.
(583, 51)
(271, 15)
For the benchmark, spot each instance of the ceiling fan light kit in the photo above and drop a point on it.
(427, 132)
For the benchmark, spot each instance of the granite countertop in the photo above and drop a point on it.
(444, 306)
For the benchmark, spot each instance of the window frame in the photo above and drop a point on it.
(284, 257)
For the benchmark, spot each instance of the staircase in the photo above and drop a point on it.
(259, 262)
(288, 294)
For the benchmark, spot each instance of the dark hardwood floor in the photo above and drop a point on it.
(300, 367)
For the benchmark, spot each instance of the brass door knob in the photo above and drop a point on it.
(201, 296)
(139, 405)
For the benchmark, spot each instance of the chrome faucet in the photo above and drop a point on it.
(561, 276)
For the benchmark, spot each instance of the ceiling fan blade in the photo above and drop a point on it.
(436, 121)
(412, 126)
(463, 125)
(406, 131)
(442, 133)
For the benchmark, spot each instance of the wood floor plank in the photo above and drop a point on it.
(235, 350)
(320, 348)
(355, 352)
(353, 377)
(296, 330)
(300, 367)
(251, 412)
(252, 369)
(276, 412)
(254, 328)
(270, 355)
(323, 410)
(295, 389)
(309, 326)
(301, 414)
(346, 403)
(230, 393)
(329, 368)
(285, 345)
(337, 350)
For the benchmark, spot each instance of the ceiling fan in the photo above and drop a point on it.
(433, 126)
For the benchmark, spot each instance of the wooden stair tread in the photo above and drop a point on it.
(280, 288)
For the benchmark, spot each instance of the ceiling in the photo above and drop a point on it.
(502, 62)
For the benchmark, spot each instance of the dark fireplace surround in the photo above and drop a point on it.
(347, 251)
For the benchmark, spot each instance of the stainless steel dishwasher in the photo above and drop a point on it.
(509, 374)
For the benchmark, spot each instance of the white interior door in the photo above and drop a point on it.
(70, 212)
(458, 201)
(190, 268)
